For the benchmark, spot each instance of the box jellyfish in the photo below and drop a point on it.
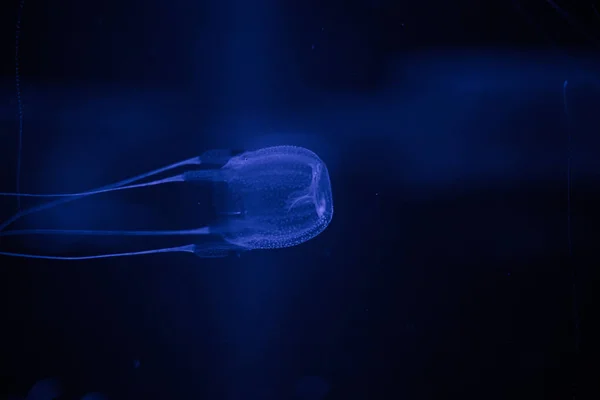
(276, 197)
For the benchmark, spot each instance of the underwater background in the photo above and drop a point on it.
(461, 140)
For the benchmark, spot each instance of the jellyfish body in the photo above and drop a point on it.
(274, 197)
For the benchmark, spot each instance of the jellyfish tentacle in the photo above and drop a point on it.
(22, 213)
(175, 178)
(88, 232)
(190, 248)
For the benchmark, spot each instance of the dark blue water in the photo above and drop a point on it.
(446, 271)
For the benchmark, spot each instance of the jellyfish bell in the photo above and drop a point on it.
(284, 195)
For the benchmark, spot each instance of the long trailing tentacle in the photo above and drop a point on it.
(190, 248)
(22, 213)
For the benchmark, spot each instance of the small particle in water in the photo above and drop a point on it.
(312, 47)
(136, 363)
